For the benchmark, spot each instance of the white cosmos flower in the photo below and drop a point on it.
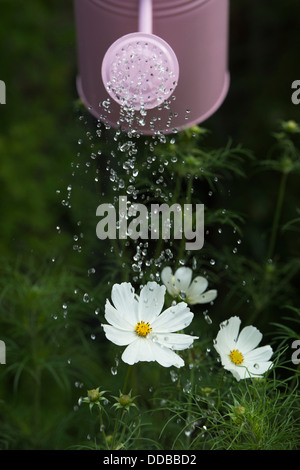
(137, 322)
(238, 351)
(181, 284)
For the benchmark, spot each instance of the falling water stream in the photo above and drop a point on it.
(110, 163)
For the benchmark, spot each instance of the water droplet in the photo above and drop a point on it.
(212, 262)
(136, 268)
(224, 324)
(174, 376)
(182, 295)
(106, 103)
(207, 318)
(114, 370)
(187, 388)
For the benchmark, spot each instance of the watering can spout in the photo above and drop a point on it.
(164, 59)
(145, 16)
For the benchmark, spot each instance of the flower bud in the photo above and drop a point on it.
(240, 410)
(290, 126)
(286, 164)
(207, 390)
(93, 395)
(124, 400)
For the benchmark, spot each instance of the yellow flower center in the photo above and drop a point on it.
(236, 356)
(142, 328)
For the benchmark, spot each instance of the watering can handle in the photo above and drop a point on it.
(145, 16)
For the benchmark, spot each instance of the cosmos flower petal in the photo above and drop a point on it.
(175, 341)
(203, 298)
(238, 372)
(173, 319)
(119, 337)
(151, 301)
(182, 278)
(197, 287)
(262, 354)
(257, 369)
(167, 279)
(125, 300)
(165, 356)
(130, 326)
(181, 284)
(228, 333)
(138, 350)
(248, 339)
(114, 318)
(239, 353)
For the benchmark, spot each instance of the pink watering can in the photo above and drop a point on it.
(152, 65)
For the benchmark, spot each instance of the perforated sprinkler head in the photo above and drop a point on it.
(140, 70)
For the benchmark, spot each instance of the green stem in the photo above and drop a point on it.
(192, 377)
(295, 378)
(222, 374)
(102, 427)
(277, 214)
(124, 426)
(126, 380)
(115, 429)
(37, 398)
(120, 410)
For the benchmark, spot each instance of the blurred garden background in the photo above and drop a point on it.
(55, 274)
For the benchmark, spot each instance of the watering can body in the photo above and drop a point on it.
(197, 30)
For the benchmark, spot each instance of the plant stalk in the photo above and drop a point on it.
(277, 214)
